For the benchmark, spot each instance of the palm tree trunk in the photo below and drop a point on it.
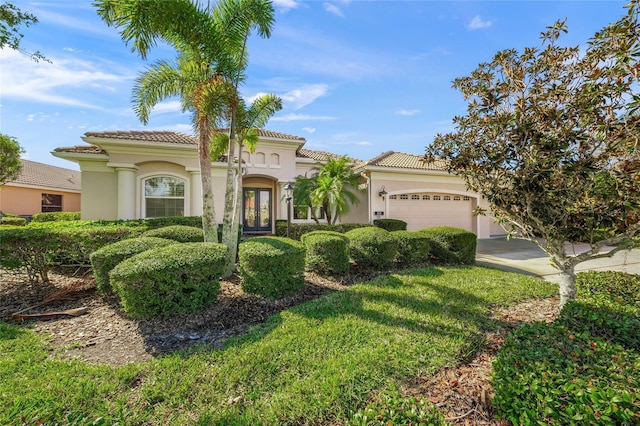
(229, 237)
(208, 210)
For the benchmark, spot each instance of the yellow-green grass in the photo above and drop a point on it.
(317, 363)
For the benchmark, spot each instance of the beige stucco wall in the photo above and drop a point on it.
(28, 201)
(397, 182)
(99, 195)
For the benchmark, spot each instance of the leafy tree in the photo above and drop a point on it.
(208, 62)
(11, 19)
(330, 188)
(551, 139)
(10, 164)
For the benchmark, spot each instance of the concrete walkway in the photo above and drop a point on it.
(526, 257)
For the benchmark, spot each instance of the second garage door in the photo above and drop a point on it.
(424, 210)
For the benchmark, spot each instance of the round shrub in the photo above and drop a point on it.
(180, 233)
(413, 247)
(451, 245)
(303, 237)
(326, 252)
(177, 278)
(271, 266)
(372, 247)
(106, 258)
(390, 224)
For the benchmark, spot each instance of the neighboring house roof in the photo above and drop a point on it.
(400, 160)
(47, 176)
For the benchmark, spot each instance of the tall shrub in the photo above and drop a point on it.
(271, 266)
(372, 247)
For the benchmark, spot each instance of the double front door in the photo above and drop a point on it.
(256, 210)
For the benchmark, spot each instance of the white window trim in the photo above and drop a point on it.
(141, 197)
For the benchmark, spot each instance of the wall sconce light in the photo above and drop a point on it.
(382, 192)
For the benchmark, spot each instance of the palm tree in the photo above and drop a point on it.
(330, 189)
(248, 121)
(211, 61)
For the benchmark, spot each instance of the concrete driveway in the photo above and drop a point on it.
(526, 257)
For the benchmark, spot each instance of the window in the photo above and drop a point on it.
(415, 197)
(164, 196)
(304, 212)
(456, 198)
(447, 198)
(465, 198)
(436, 198)
(51, 203)
(426, 197)
(404, 197)
(393, 197)
(275, 160)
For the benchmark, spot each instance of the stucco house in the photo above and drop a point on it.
(138, 174)
(41, 188)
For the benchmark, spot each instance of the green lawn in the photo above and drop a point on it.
(317, 363)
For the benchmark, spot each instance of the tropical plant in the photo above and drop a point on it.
(331, 188)
(248, 121)
(210, 61)
(550, 139)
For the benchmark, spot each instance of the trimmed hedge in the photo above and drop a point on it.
(174, 279)
(106, 258)
(14, 221)
(55, 216)
(180, 233)
(326, 252)
(390, 224)
(582, 369)
(451, 245)
(413, 247)
(271, 266)
(299, 229)
(372, 247)
(42, 246)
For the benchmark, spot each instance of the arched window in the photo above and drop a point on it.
(163, 196)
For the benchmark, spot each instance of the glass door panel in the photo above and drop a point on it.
(257, 210)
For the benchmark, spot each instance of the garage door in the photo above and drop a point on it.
(424, 210)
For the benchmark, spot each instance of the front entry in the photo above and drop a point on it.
(256, 210)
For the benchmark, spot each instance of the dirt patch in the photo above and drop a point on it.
(106, 334)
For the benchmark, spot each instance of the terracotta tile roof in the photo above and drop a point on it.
(176, 138)
(45, 175)
(82, 149)
(401, 160)
(321, 155)
(146, 136)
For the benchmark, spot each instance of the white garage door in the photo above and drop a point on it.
(424, 210)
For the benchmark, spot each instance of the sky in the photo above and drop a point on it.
(356, 78)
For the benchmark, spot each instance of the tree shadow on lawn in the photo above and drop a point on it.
(389, 300)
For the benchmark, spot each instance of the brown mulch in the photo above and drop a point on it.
(106, 334)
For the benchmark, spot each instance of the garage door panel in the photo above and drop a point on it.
(424, 210)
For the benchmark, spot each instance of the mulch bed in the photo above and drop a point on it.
(106, 334)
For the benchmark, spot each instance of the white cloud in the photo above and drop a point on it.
(169, 106)
(309, 129)
(333, 9)
(302, 117)
(305, 95)
(364, 143)
(285, 5)
(478, 23)
(407, 111)
(63, 82)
